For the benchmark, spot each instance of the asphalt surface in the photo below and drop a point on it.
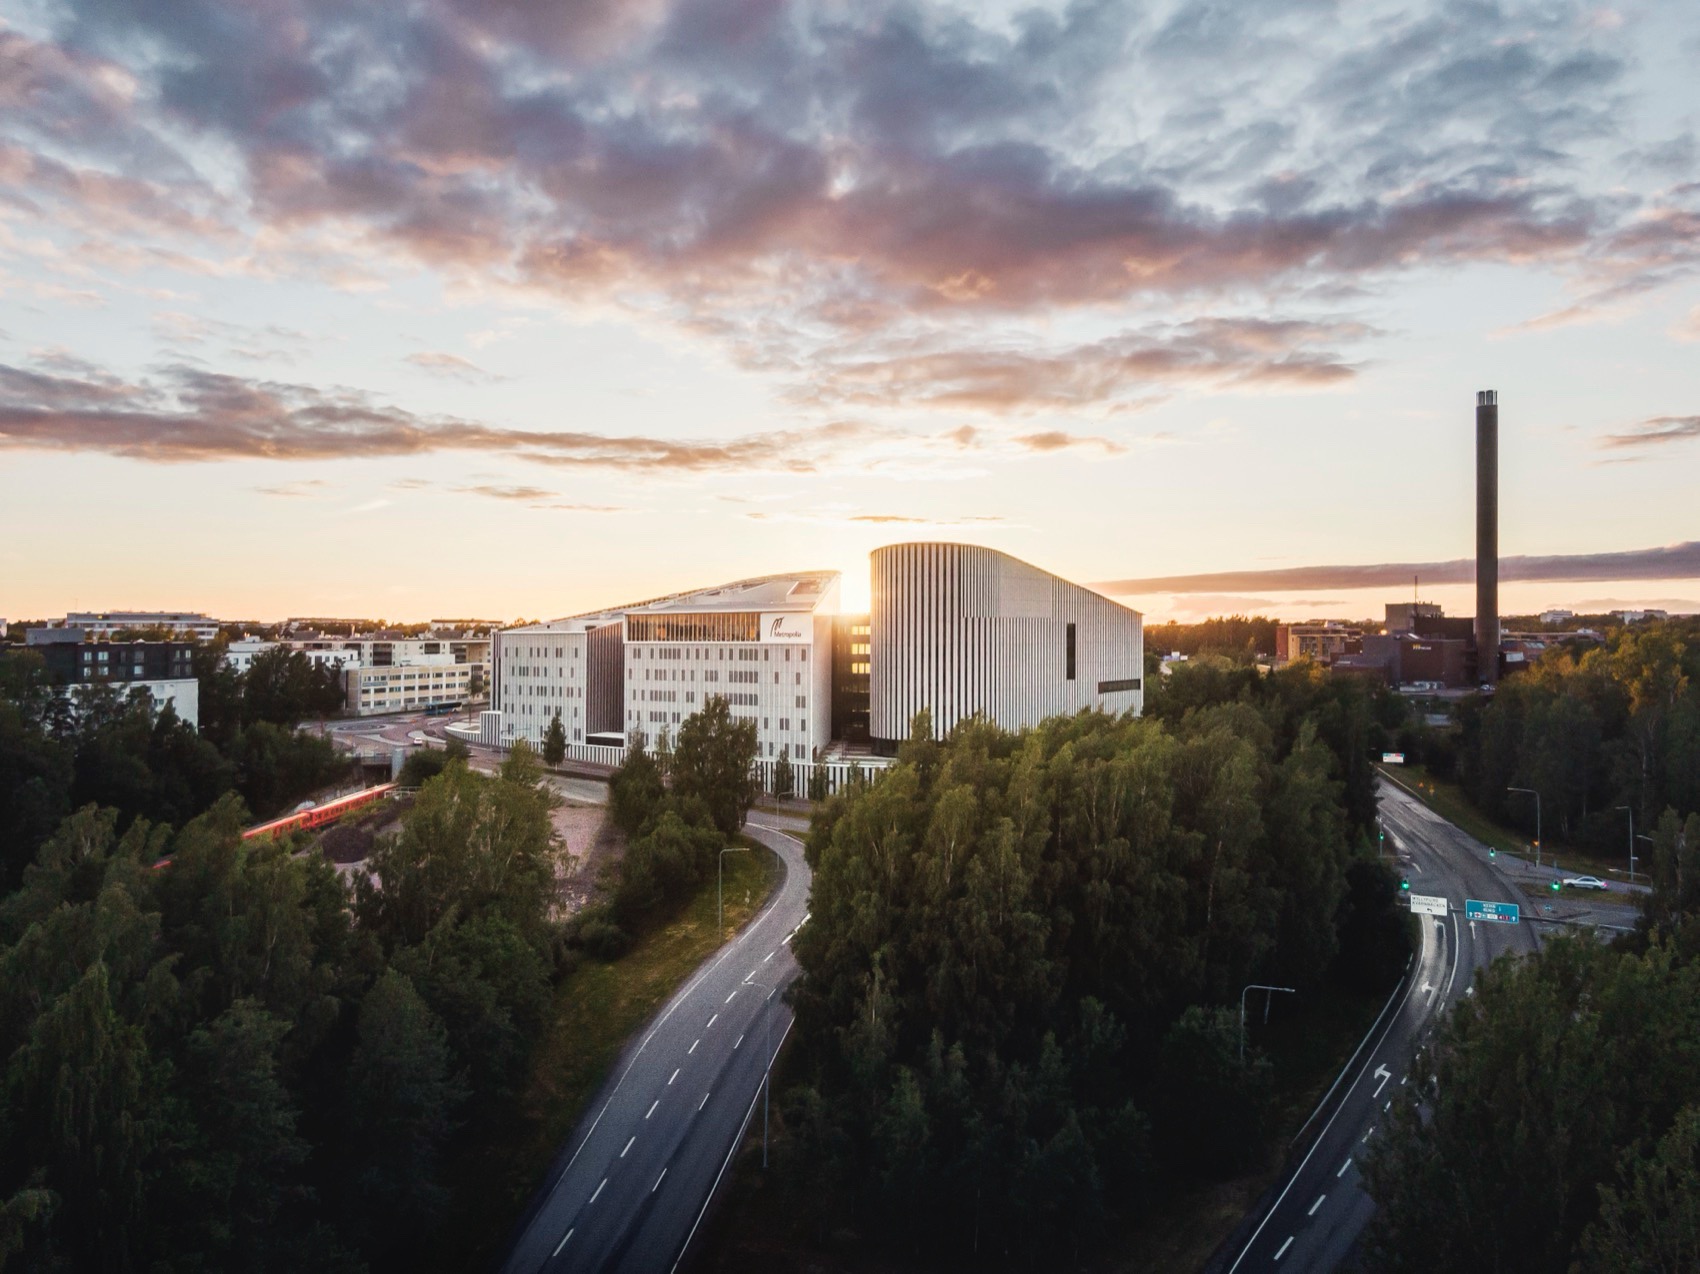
(1312, 1217)
(635, 1179)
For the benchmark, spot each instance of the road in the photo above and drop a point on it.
(637, 1175)
(1311, 1219)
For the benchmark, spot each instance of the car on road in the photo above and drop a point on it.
(1584, 882)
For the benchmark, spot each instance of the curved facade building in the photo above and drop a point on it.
(959, 629)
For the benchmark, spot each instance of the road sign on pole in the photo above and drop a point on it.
(1504, 913)
(1425, 905)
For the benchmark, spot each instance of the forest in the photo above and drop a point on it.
(1554, 1122)
(1602, 731)
(1017, 1024)
(118, 752)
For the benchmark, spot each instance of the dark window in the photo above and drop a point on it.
(1071, 652)
(1110, 687)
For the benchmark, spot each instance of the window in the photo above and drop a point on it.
(1111, 687)
(1071, 652)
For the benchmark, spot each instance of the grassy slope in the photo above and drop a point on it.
(1448, 800)
(596, 1009)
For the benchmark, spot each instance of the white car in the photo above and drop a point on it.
(1584, 882)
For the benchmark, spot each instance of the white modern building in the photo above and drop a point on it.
(960, 630)
(764, 645)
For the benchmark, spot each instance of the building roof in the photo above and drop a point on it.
(798, 592)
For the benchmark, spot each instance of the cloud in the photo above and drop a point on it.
(1687, 328)
(189, 415)
(298, 489)
(527, 494)
(792, 181)
(1137, 367)
(1654, 432)
(832, 518)
(1676, 561)
(453, 367)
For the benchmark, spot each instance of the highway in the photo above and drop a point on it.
(1312, 1217)
(632, 1184)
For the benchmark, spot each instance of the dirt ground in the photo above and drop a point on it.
(592, 842)
(351, 841)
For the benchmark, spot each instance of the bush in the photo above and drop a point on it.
(602, 939)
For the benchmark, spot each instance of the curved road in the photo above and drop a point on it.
(639, 1171)
(1311, 1219)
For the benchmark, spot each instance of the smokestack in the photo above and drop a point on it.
(1487, 536)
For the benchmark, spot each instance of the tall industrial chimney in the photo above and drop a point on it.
(1487, 536)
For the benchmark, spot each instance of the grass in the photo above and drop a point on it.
(1447, 799)
(596, 1009)
(770, 1222)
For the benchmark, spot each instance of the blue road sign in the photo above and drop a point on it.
(1503, 913)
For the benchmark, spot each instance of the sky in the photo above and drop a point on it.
(509, 308)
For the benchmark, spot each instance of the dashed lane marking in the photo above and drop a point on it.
(729, 998)
(1282, 1250)
(629, 1145)
(1316, 1205)
(598, 1194)
(712, 1021)
(693, 1047)
(703, 1102)
(1343, 1168)
(652, 1106)
(561, 1244)
(658, 1181)
(671, 1078)
(735, 1046)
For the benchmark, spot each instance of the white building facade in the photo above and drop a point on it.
(764, 645)
(960, 630)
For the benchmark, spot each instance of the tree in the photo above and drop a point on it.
(1534, 1089)
(784, 781)
(713, 762)
(285, 687)
(555, 742)
(635, 790)
(1651, 1220)
(401, 1101)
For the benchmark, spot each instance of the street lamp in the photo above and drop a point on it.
(1630, 810)
(1531, 791)
(720, 889)
(767, 1072)
(1257, 986)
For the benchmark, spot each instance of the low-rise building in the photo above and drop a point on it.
(407, 688)
(164, 669)
(1322, 641)
(98, 624)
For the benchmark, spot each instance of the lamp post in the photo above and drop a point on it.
(1630, 810)
(720, 889)
(767, 1070)
(1531, 791)
(1257, 986)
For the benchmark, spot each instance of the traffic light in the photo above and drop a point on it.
(1405, 882)
(1556, 886)
(1492, 852)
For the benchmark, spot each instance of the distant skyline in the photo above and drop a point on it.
(490, 308)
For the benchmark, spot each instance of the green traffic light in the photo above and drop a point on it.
(1404, 884)
(1555, 886)
(1493, 853)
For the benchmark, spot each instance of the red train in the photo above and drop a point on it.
(319, 815)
